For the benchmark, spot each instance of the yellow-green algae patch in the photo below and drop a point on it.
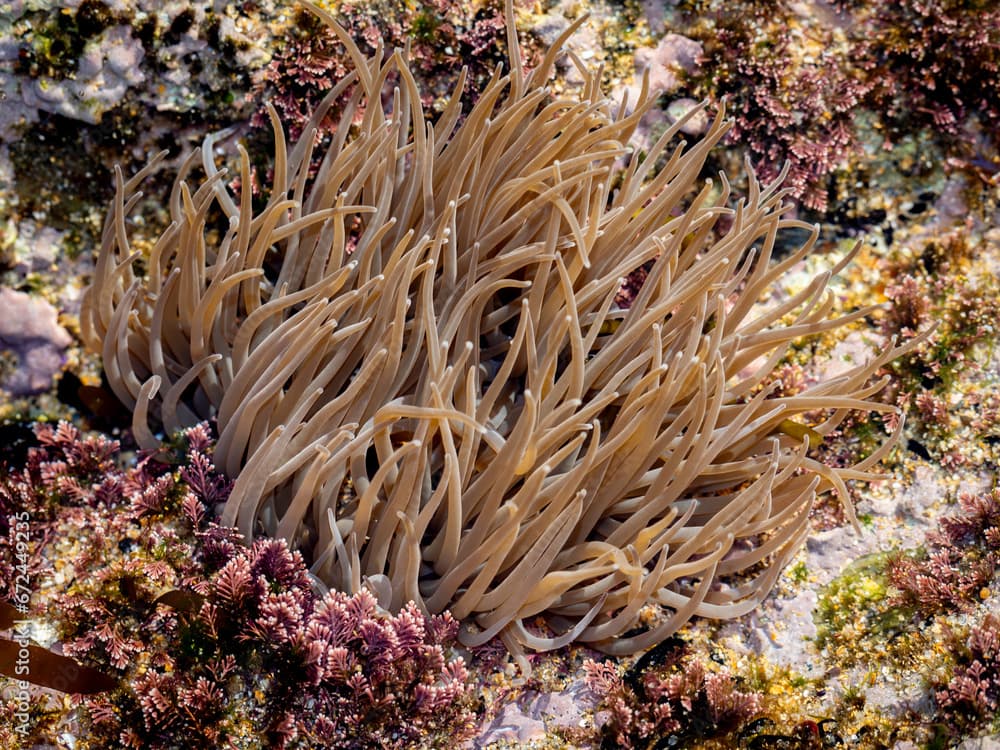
(855, 619)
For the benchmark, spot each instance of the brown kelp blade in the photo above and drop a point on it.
(42, 667)
(9, 614)
(45, 668)
(182, 601)
(179, 599)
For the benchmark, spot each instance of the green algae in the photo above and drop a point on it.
(58, 39)
(60, 179)
(855, 608)
(798, 573)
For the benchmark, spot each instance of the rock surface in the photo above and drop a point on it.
(30, 334)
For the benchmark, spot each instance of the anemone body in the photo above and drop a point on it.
(421, 378)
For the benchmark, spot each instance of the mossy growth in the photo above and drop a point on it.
(58, 39)
(855, 617)
(424, 25)
(799, 572)
(795, 715)
(861, 434)
(56, 180)
(22, 729)
(938, 284)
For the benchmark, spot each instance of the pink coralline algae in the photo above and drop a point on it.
(788, 108)
(29, 331)
(961, 559)
(932, 62)
(441, 38)
(666, 698)
(909, 310)
(213, 643)
(256, 650)
(67, 472)
(808, 82)
(973, 692)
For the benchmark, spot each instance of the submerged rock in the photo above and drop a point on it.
(32, 343)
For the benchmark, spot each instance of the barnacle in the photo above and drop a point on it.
(433, 392)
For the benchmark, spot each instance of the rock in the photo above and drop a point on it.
(668, 61)
(548, 28)
(981, 743)
(698, 122)
(31, 334)
(512, 725)
(534, 716)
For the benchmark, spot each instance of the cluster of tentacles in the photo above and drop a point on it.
(421, 378)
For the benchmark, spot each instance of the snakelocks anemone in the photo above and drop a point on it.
(421, 378)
